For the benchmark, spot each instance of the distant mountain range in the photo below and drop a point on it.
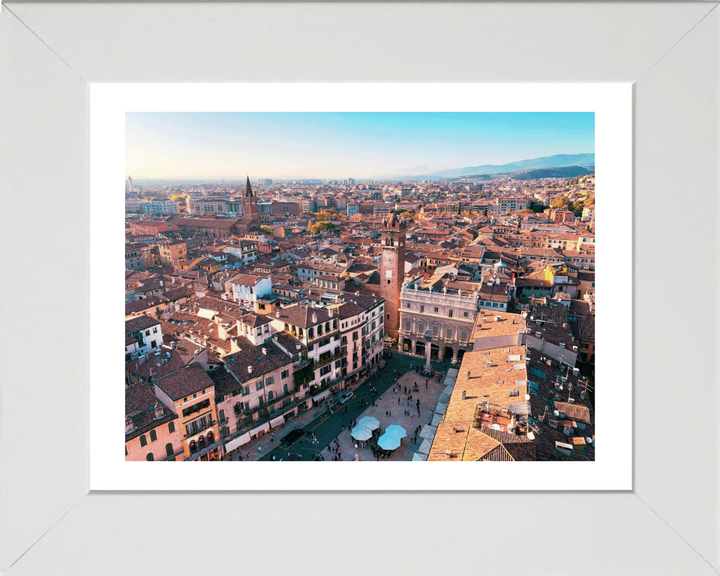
(561, 172)
(555, 161)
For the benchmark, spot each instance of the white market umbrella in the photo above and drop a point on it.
(419, 457)
(361, 433)
(398, 431)
(369, 422)
(425, 447)
(389, 442)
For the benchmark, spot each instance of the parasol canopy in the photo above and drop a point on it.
(368, 422)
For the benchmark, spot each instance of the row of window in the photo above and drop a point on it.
(169, 451)
(153, 435)
(198, 425)
(436, 310)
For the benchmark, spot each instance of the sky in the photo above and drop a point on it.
(288, 145)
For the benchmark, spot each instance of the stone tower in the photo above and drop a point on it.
(392, 270)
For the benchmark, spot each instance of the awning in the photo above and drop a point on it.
(277, 421)
(237, 442)
(428, 432)
(256, 431)
(321, 395)
(207, 314)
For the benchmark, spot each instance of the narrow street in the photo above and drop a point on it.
(328, 427)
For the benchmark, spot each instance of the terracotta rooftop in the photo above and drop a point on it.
(184, 382)
(140, 323)
(507, 325)
(490, 381)
(140, 404)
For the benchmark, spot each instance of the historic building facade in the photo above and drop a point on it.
(442, 320)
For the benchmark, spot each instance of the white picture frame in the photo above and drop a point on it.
(49, 523)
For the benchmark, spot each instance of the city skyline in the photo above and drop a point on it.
(340, 145)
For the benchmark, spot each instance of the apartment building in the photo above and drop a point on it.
(172, 251)
(151, 430)
(160, 206)
(190, 394)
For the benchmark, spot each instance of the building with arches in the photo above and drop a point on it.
(434, 315)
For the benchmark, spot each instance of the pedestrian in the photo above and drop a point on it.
(398, 401)
(390, 413)
(259, 448)
(273, 457)
(425, 384)
(272, 436)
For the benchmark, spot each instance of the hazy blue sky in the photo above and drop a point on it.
(343, 145)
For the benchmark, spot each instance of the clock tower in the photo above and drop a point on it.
(392, 270)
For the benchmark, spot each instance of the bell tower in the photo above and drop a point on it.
(392, 270)
(250, 207)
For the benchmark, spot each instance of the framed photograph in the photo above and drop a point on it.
(288, 368)
(96, 93)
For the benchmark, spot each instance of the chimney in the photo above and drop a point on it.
(330, 312)
(314, 318)
(249, 369)
(264, 351)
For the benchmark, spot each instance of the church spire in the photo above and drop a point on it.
(248, 189)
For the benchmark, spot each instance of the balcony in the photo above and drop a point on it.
(319, 362)
(323, 335)
(200, 429)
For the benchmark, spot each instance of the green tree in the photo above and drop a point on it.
(537, 208)
(560, 202)
(266, 229)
